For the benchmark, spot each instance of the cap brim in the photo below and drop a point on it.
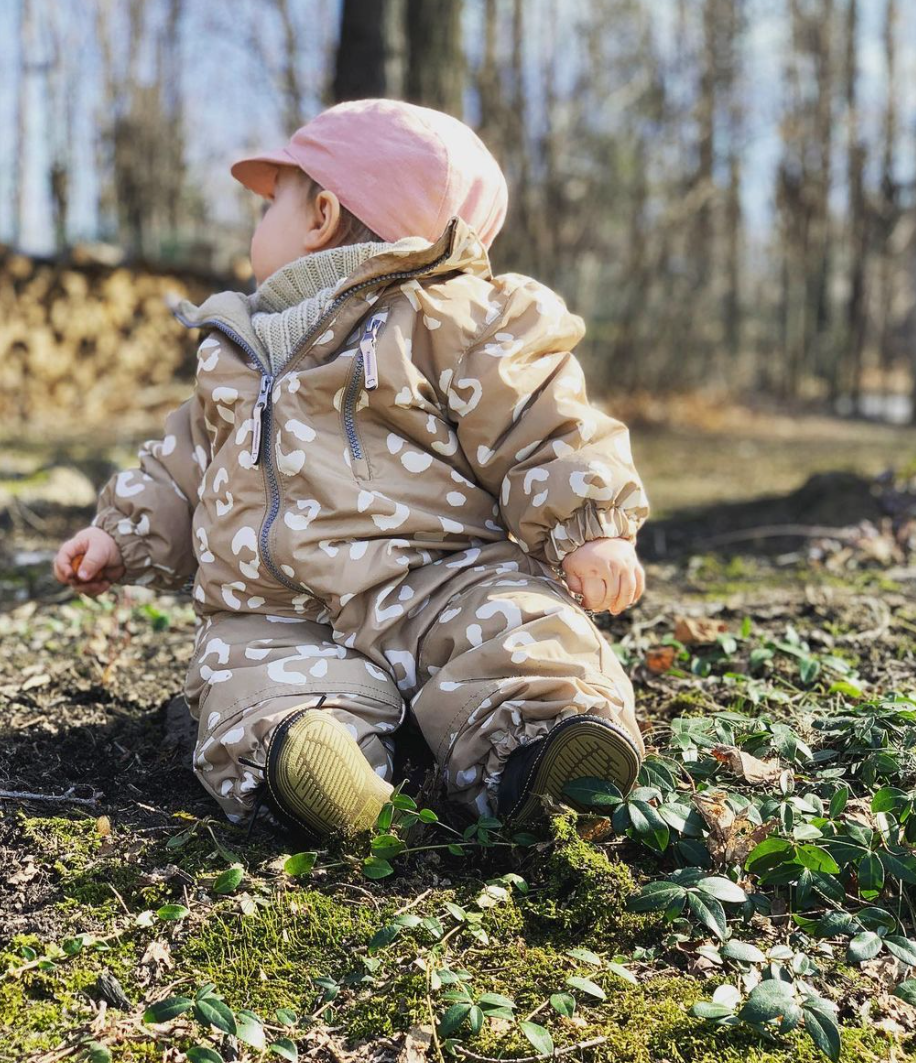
(259, 172)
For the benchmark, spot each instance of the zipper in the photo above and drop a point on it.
(263, 418)
(365, 370)
(348, 409)
(367, 346)
(257, 415)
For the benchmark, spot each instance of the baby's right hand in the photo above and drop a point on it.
(99, 562)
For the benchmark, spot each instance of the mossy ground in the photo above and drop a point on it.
(83, 692)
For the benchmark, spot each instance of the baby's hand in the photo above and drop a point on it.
(606, 573)
(90, 562)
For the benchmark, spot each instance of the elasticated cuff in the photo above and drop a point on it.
(140, 571)
(587, 523)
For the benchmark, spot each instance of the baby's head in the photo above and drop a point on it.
(371, 170)
(299, 218)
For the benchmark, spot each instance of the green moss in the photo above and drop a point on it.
(266, 960)
(71, 843)
(582, 893)
(94, 887)
(650, 1022)
(40, 1009)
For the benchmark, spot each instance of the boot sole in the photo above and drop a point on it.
(584, 747)
(317, 774)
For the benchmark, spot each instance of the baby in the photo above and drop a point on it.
(391, 493)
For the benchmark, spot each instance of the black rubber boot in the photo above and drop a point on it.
(577, 747)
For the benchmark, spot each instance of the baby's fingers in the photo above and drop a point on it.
(625, 590)
(640, 583)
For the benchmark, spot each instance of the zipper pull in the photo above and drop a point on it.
(367, 347)
(257, 413)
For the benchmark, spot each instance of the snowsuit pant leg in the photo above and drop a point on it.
(493, 653)
(251, 670)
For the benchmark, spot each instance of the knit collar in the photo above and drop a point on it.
(291, 301)
(458, 250)
(307, 276)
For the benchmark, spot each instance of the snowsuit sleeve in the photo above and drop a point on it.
(148, 510)
(562, 470)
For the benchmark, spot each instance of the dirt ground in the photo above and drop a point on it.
(91, 726)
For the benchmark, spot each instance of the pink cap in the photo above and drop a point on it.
(403, 170)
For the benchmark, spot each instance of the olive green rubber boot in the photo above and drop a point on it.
(577, 747)
(318, 775)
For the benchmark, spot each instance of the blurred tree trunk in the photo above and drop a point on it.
(142, 165)
(26, 36)
(292, 92)
(849, 374)
(360, 68)
(889, 212)
(487, 81)
(734, 222)
(434, 75)
(818, 317)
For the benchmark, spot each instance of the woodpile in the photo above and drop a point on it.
(87, 345)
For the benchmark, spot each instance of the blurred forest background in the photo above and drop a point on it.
(724, 189)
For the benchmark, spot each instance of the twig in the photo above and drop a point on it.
(22, 795)
(431, 1012)
(468, 1054)
(414, 902)
(359, 889)
(121, 899)
(538, 1009)
(803, 531)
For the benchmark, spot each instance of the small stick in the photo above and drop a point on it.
(802, 531)
(121, 899)
(22, 795)
(414, 902)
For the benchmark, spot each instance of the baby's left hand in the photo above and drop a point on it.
(607, 573)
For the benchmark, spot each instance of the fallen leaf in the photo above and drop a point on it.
(698, 629)
(25, 873)
(36, 681)
(103, 826)
(416, 1045)
(660, 658)
(593, 830)
(746, 767)
(731, 837)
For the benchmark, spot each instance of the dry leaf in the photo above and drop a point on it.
(746, 767)
(36, 681)
(103, 826)
(731, 837)
(416, 1045)
(660, 658)
(698, 629)
(594, 829)
(25, 873)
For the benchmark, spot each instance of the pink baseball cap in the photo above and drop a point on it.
(402, 169)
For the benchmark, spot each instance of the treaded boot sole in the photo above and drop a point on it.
(579, 747)
(317, 773)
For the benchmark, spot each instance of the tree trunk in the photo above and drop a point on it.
(361, 63)
(435, 57)
(850, 374)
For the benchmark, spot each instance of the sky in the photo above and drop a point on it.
(230, 100)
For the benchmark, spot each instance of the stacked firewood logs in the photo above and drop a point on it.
(88, 346)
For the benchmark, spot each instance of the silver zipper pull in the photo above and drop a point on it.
(367, 347)
(257, 414)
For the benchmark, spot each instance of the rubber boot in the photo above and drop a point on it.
(317, 774)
